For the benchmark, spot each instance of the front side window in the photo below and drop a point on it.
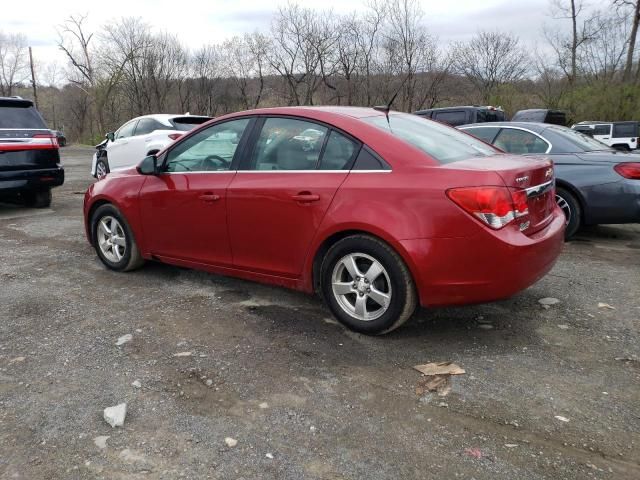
(444, 144)
(602, 130)
(288, 144)
(210, 150)
(126, 130)
(520, 142)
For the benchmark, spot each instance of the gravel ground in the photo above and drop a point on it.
(548, 393)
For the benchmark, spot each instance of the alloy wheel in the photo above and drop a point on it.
(361, 286)
(565, 207)
(111, 239)
(101, 170)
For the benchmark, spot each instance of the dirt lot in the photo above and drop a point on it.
(548, 392)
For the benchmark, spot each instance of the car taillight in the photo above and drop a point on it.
(495, 206)
(175, 136)
(46, 140)
(628, 170)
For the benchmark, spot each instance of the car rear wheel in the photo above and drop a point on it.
(114, 241)
(569, 205)
(367, 285)
(38, 199)
(101, 169)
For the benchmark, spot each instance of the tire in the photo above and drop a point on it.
(101, 166)
(572, 210)
(393, 279)
(38, 199)
(121, 257)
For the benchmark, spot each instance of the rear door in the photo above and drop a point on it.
(184, 209)
(602, 133)
(278, 200)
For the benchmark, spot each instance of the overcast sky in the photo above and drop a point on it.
(199, 22)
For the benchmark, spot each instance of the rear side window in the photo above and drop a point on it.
(147, 125)
(483, 133)
(601, 130)
(184, 124)
(455, 117)
(289, 144)
(19, 115)
(367, 160)
(519, 141)
(338, 152)
(625, 130)
(126, 130)
(444, 144)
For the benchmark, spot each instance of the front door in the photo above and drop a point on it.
(278, 202)
(184, 208)
(118, 153)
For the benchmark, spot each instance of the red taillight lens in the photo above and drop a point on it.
(495, 206)
(628, 170)
(175, 136)
(46, 139)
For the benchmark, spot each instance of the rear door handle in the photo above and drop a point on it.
(306, 197)
(209, 197)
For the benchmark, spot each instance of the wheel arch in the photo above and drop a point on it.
(576, 193)
(331, 238)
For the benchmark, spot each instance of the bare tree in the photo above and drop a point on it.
(632, 6)
(602, 56)
(489, 60)
(14, 62)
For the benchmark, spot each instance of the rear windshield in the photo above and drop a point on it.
(19, 115)
(444, 144)
(580, 141)
(184, 124)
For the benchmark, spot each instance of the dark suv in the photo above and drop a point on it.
(456, 116)
(29, 157)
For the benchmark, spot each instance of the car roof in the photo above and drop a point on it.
(353, 112)
(17, 100)
(533, 126)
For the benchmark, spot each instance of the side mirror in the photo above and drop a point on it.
(110, 136)
(148, 166)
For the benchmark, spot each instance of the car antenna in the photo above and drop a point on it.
(387, 108)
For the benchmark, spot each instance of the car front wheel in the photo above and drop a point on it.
(101, 169)
(367, 285)
(114, 241)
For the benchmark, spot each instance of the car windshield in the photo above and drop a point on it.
(19, 115)
(580, 141)
(444, 144)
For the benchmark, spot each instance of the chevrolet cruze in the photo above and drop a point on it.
(376, 211)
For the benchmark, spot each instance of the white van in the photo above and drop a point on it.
(619, 135)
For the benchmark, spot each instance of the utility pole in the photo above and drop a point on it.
(33, 79)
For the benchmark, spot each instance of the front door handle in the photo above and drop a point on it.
(209, 197)
(306, 197)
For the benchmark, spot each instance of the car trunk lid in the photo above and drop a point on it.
(529, 179)
(28, 149)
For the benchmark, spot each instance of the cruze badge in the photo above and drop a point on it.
(548, 173)
(522, 179)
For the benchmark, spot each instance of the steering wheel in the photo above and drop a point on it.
(216, 161)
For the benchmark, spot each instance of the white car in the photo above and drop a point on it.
(139, 138)
(619, 135)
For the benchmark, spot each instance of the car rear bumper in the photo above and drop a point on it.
(490, 266)
(13, 181)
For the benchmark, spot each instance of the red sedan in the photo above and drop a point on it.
(376, 212)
